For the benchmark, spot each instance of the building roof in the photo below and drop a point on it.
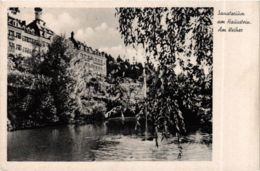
(82, 46)
(40, 29)
(21, 23)
(36, 27)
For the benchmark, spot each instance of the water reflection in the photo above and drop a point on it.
(104, 141)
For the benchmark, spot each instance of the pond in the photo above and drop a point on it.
(102, 142)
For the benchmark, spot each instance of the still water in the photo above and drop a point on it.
(103, 142)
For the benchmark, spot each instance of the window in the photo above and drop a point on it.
(27, 50)
(11, 33)
(18, 35)
(26, 39)
(11, 44)
(18, 47)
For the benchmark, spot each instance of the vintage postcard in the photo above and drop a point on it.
(122, 85)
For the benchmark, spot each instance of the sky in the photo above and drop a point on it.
(97, 27)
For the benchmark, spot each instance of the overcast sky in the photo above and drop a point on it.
(97, 27)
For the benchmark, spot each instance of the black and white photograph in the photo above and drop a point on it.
(109, 84)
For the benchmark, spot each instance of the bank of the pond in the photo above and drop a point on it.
(30, 124)
(103, 142)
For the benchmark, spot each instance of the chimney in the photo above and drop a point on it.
(38, 13)
(72, 35)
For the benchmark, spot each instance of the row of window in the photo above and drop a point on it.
(21, 25)
(24, 38)
(30, 40)
(99, 68)
(98, 60)
(45, 34)
(89, 57)
(12, 33)
(95, 67)
(16, 23)
(19, 48)
(27, 50)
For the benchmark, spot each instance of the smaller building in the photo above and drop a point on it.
(96, 61)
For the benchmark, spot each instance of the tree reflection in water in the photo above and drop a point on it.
(103, 142)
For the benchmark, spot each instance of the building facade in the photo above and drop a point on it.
(96, 61)
(26, 39)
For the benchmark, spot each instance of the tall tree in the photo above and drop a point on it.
(181, 41)
(56, 65)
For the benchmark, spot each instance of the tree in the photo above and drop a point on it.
(181, 41)
(56, 65)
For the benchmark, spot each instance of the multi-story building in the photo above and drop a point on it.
(96, 61)
(26, 39)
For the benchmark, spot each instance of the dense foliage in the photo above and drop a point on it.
(56, 65)
(57, 87)
(119, 68)
(178, 45)
(30, 103)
